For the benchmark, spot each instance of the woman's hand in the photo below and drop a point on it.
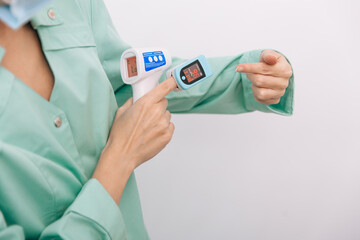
(139, 132)
(269, 77)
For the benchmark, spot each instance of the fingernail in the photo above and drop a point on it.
(240, 69)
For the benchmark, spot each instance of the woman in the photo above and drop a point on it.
(67, 153)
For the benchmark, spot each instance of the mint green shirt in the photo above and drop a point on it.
(49, 149)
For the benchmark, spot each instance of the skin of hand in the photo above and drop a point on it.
(139, 132)
(269, 77)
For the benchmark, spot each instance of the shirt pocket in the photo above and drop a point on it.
(58, 37)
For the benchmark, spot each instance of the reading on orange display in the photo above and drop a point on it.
(131, 66)
(193, 72)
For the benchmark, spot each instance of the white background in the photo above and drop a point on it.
(257, 176)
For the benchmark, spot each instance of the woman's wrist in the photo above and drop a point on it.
(113, 173)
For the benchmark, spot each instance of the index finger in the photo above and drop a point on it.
(162, 90)
(257, 68)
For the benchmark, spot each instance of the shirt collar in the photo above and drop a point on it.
(48, 16)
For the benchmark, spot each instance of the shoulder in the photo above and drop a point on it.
(73, 11)
(85, 6)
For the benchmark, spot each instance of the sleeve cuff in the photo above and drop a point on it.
(94, 202)
(284, 107)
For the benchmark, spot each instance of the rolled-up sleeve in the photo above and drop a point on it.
(227, 91)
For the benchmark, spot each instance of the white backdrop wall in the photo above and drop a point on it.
(257, 176)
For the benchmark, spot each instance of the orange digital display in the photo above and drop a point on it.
(193, 72)
(131, 66)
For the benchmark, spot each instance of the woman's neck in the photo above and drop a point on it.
(8, 35)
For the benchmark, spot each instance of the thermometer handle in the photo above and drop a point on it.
(145, 85)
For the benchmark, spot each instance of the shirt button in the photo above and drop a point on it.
(58, 122)
(51, 14)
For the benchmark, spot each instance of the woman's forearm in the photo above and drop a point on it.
(113, 173)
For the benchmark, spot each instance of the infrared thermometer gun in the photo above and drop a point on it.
(143, 68)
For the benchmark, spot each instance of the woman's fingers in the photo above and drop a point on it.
(257, 68)
(163, 103)
(266, 95)
(264, 81)
(270, 57)
(167, 116)
(271, 63)
(269, 77)
(161, 91)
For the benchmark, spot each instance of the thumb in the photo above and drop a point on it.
(270, 57)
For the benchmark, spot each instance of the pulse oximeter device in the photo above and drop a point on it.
(191, 72)
(143, 68)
